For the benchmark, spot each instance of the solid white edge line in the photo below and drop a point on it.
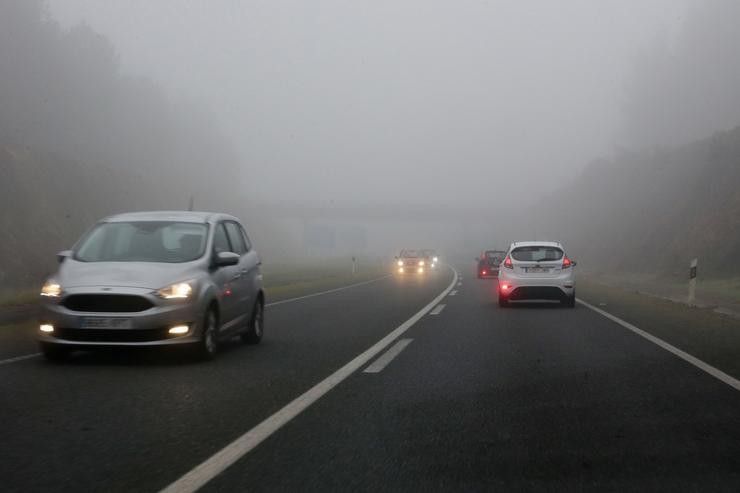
(341, 288)
(718, 374)
(18, 358)
(217, 463)
(384, 360)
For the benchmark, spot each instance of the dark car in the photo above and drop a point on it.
(488, 263)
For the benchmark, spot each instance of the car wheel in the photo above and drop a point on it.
(253, 335)
(570, 301)
(503, 302)
(208, 344)
(54, 352)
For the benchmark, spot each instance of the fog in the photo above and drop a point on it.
(357, 128)
(395, 102)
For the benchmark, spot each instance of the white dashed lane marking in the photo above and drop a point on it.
(388, 356)
(437, 310)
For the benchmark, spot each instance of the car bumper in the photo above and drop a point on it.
(143, 328)
(529, 288)
(412, 270)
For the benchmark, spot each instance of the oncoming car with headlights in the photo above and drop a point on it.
(154, 279)
(431, 258)
(537, 270)
(411, 262)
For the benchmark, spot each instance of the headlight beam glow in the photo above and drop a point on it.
(179, 330)
(51, 289)
(180, 290)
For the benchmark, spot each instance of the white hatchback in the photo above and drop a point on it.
(537, 270)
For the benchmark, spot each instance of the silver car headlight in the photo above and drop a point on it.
(400, 263)
(177, 291)
(51, 289)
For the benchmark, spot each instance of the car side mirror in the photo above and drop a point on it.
(64, 254)
(224, 259)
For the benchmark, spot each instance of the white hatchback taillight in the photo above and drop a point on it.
(508, 263)
(566, 262)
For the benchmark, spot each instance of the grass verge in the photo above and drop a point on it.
(280, 286)
(19, 298)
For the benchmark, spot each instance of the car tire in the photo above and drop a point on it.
(256, 328)
(503, 302)
(570, 301)
(54, 352)
(207, 347)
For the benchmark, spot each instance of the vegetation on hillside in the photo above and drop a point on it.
(80, 140)
(654, 211)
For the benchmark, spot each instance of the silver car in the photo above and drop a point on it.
(154, 279)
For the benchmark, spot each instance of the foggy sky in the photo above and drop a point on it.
(394, 101)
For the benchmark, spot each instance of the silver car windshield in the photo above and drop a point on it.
(144, 241)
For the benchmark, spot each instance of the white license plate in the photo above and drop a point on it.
(537, 270)
(105, 323)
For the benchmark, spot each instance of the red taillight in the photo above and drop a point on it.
(566, 262)
(505, 287)
(507, 263)
(483, 272)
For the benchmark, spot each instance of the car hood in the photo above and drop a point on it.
(148, 275)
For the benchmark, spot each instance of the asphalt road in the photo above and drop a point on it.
(533, 397)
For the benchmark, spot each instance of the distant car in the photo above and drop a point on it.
(537, 270)
(411, 262)
(488, 263)
(431, 258)
(154, 279)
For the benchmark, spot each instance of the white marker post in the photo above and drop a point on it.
(692, 282)
(354, 265)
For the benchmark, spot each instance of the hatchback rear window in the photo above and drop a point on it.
(536, 253)
(495, 257)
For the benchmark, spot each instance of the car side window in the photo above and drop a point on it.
(220, 240)
(236, 237)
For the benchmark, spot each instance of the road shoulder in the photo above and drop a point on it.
(702, 332)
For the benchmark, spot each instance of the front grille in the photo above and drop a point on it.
(537, 293)
(106, 303)
(112, 335)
